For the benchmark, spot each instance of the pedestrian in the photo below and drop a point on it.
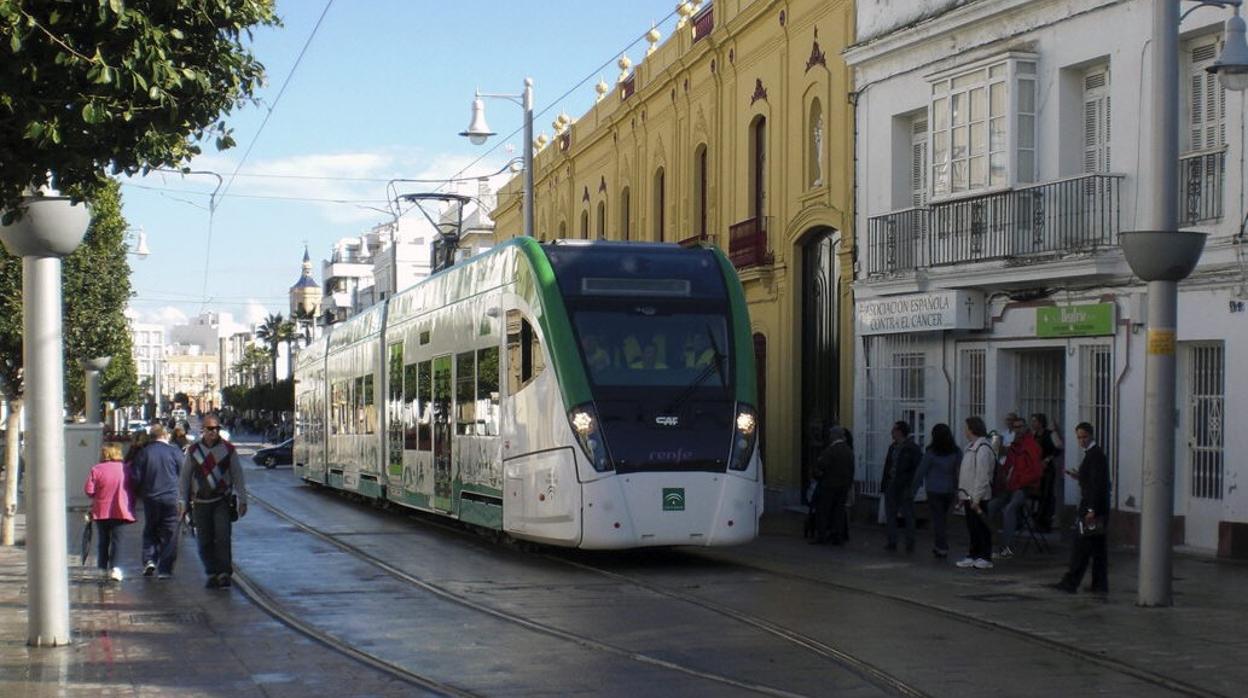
(179, 438)
(111, 508)
(137, 443)
(974, 491)
(835, 467)
(1051, 445)
(938, 472)
(900, 465)
(1023, 470)
(156, 473)
(212, 488)
(1091, 517)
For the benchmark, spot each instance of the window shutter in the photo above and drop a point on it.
(1207, 115)
(918, 162)
(1096, 121)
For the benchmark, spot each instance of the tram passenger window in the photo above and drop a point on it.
(524, 353)
(487, 391)
(357, 426)
(425, 416)
(411, 407)
(370, 406)
(465, 393)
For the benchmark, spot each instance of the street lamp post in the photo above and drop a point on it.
(93, 368)
(478, 131)
(51, 228)
(1162, 255)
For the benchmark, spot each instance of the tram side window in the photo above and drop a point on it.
(357, 406)
(465, 393)
(370, 406)
(487, 392)
(425, 391)
(524, 353)
(411, 407)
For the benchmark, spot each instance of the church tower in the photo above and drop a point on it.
(305, 295)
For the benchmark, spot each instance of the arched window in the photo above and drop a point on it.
(758, 167)
(699, 190)
(814, 146)
(563, 230)
(584, 225)
(626, 221)
(602, 220)
(660, 204)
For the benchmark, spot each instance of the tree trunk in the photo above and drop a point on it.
(12, 440)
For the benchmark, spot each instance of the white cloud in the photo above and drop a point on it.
(254, 312)
(167, 315)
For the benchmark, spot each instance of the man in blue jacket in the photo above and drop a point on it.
(156, 480)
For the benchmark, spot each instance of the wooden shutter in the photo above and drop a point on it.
(918, 161)
(1096, 121)
(1207, 101)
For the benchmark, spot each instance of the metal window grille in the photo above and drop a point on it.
(1041, 382)
(972, 369)
(1096, 385)
(896, 377)
(1205, 409)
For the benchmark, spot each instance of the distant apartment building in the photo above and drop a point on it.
(403, 256)
(348, 277)
(188, 370)
(148, 340)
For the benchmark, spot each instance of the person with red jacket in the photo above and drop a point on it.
(1024, 467)
(111, 507)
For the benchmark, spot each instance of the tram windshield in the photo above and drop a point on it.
(642, 345)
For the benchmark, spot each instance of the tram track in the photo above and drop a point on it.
(895, 687)
(1150, 677)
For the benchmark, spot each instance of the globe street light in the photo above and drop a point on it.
(50, 228)
(1162, 255)
(478, 132)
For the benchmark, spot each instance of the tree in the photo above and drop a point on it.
(272, 332)
(290, 334)
(95, 286)
(88, 88)
(305, 320)
(254, 362)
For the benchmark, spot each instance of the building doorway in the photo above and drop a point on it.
(1203, 404)
(820, 359)
(1041, 386)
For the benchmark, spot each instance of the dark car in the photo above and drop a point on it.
(273, 456)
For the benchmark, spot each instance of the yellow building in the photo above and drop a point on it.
(736, 131)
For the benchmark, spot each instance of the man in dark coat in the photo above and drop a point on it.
(156, 471)
(898, 484)
(1092, 516)
(835, 472)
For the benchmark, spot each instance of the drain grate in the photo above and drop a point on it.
(176, 618)
(998, 597)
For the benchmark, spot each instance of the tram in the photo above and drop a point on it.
(598, 395)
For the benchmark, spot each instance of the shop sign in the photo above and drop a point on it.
(1091, 320)
(921, 312)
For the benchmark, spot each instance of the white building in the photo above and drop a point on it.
(148, 340)
(993, 179)
(203, 331)
(405, 246)
(348, 277)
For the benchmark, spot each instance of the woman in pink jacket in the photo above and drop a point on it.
(110, 506)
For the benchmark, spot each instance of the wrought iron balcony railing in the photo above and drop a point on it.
(1202, 180)
(703, 22)
(747, 243)
(1067, 215)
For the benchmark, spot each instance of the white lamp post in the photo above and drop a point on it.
(51, 228)
(139, 248)
(1162, 255)
(478, 132)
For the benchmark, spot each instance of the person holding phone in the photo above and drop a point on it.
(1092, 516)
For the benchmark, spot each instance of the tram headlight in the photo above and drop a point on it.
(585, 424)
(744, 437)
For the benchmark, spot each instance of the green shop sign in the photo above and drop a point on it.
(1090, 320)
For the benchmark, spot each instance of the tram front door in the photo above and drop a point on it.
(442, 433)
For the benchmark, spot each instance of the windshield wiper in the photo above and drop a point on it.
(716, 366)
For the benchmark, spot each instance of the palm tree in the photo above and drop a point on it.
(304, 319)
(289, 334)
(271, 333)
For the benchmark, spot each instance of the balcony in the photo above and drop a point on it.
(1068, 215)
(747, 243)
(703, 23)
(1202, 179)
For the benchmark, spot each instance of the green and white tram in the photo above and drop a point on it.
(583, 394)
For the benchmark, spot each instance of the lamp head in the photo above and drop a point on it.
(141, 249)
(478, 131)
(1231, 66)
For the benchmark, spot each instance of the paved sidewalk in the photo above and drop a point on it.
(149, 637)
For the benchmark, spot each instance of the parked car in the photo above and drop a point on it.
(135, 426)
(273, 456)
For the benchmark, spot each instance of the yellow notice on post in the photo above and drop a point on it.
(1161, 342)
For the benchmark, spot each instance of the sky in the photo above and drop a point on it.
(381, 92)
